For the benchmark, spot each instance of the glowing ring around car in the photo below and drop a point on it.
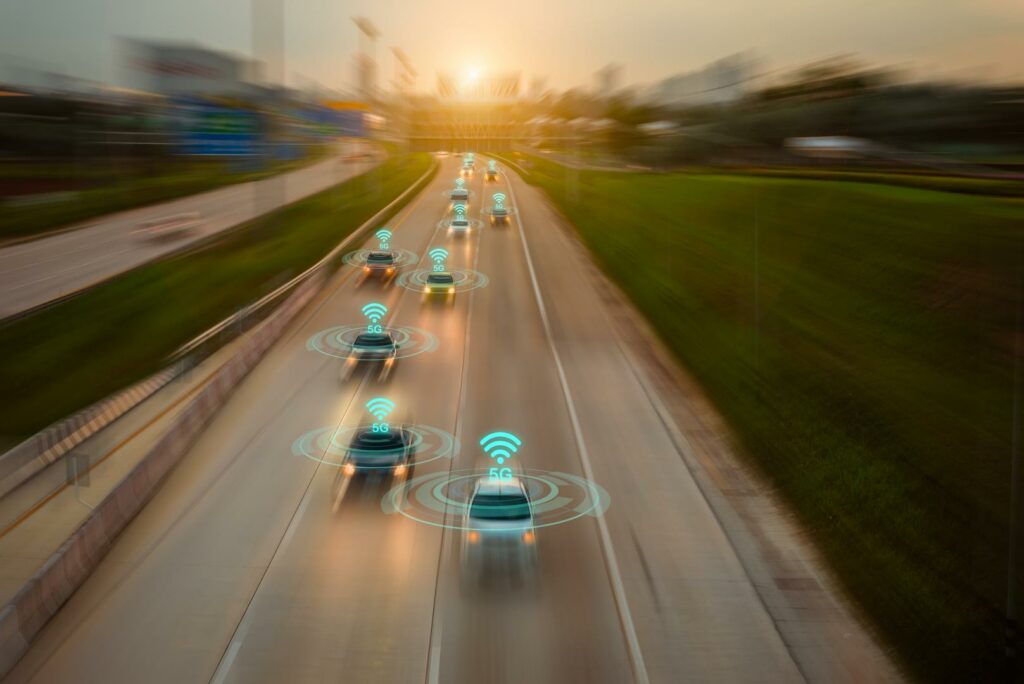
(465, 279)
(327, 445)
(340, 341)
(441, 499)
(474, 224)
(403, 257)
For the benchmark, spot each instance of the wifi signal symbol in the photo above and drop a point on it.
(459, 182)
(499, 198)
(380, 408)
(439, 255)
(501, 445)
(459, 209)
(374, 311)
(384, 235)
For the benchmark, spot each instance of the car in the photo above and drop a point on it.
(372, 347)
(491, 175)
(499, 215)
(439, 283)
(467, 168)
(498, 527)
(381, 452)
(459, 225)
(380, 262)
(458, 196)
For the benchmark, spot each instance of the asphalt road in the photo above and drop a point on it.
(33, 273)
(253, 564)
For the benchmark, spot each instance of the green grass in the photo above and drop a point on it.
(859, 338)
(63, 358)
(117, 194)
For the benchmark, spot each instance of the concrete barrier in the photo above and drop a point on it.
(54, 583)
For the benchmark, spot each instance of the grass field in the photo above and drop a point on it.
(63, 358)
(20, 221)
(860, 339)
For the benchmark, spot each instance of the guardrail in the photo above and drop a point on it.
(25, 460)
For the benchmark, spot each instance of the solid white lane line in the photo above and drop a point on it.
(625, 616)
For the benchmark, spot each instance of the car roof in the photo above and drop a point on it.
(500, 487)
(374, 338)
(441, 277)
(368, 438)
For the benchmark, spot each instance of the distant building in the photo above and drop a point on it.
(186, 70)
(366, 77)
(537, 85)
(607, 80)
(721, 82)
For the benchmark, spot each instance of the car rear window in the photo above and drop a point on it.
(368, 440)
(373, 340)
(500, 507)
(440, 278)
(380, 256)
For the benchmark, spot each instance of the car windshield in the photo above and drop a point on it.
(374, 340)
(500, 507)
(441, 278)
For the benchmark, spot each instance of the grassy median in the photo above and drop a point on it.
(860, 339)
(63, 358)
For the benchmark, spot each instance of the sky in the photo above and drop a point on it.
(565, 41)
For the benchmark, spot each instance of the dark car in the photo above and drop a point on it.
(440, 283)
(499, 215)
(375, 451)
(380, 263)
(370, 347)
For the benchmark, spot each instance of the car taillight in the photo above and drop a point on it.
(528, 537)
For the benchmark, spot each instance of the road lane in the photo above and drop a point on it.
(36, 272)
(177, 583)
(248, 566)
(565, 628)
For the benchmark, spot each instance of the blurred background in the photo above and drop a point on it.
(817, 206)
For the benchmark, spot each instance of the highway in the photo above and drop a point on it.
(254, 564)
(39, 271)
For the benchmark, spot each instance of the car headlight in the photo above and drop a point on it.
(400, 469)
(528, 537)
(349, 469)
(451, 290)
(366, 269)
(426, 289)
(390, 361)
(474, 537)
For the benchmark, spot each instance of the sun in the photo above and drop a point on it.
(471, 76)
